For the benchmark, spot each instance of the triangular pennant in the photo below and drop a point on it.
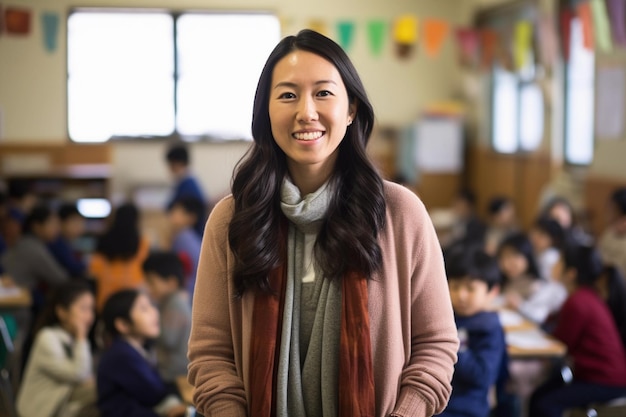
(602, 30)
(489, 47)
(319, 26)
(522, 43)
(565, 18)
(583, 10)
(405, 30)
(50, 24)
(617, 13)
(435, 32)
(467, 42)
(376, 31)
(345, 30)
(548, 41)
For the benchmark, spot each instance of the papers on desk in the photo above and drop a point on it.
(527, 339)
(8, 292)
(509, 318)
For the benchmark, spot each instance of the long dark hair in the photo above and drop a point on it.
(62, 296)
(347, 241)
(118, 306)
(587, 262)
(121, 239)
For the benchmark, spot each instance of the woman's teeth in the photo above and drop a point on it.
(308, 135)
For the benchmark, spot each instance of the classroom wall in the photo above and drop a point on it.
(33, 90)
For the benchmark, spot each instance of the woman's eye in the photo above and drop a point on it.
(287, 96)
(324, 93)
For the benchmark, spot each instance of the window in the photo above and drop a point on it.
(517, 111)
(154, 74)
(579, 99)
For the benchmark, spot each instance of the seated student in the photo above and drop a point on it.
(522, 289)
(612, 243)
(164, 276)
(502, 223)
(72, 227)
(586, 327)
(561, 210)
(120, 252)
(467, 229)
(58, 380)
(187, 185)
(611, 287)
(473, 278)
(547, 237)
(129, 383)
(186, 242)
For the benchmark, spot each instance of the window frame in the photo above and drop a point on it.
(175, 14)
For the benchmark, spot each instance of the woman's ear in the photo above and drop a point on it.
(122, 326)
(352, 111)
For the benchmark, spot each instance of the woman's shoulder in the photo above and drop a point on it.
(403, 203)
(222, 213)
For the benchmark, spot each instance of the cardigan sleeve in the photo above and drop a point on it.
(219, 390)
(425, 384)
(53, 359)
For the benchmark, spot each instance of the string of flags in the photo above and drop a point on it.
(603, 26)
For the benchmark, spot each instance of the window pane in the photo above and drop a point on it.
(531, 117)
(504, 111)
(120, 75)
(220, 58)
(579, 105)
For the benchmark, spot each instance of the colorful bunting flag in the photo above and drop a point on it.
(583, 10)
(489, 47)
(50, 24)
(319, 26)
(17, 20)
(565, 18)
(602, 31)
(617, 13)
(547, 41)
(523, 43)
(405, 35)
(435, 32)
(346, 33)
(376, 31)
(468, 44)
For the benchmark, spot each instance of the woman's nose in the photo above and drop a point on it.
(307, 110)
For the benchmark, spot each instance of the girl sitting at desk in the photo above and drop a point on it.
(587, 328)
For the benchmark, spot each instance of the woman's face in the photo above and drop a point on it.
(512, 263)
(309, 113)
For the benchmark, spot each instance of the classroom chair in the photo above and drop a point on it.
(7, 332)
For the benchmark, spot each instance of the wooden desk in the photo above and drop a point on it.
(14, 298)
(526, 340)
(185, 388)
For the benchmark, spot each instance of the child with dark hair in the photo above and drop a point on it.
(72, 227)
(58, 380)
(178, 162)
(473, 279)
(164, 276)
(611, 287)
(586, 327)
(129, 383)
(120, 252)
(612, 243)
(467, 229)
(522, 289)
(561, 209)
(502, 222)
(547, 238)
(183, 216)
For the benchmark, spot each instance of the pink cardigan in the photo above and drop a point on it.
(414, 337)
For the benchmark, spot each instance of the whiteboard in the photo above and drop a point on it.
(439, 145)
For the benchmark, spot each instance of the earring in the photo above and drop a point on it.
(349, 122)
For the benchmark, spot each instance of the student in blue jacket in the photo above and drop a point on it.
(129, 384)
(473, 279)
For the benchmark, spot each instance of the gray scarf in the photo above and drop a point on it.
(307, 375)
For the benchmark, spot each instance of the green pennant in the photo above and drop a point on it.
(376, 30)
(346, 34)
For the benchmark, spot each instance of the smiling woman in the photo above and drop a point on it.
(315, 265)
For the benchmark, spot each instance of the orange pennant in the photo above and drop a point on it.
(435, 32)
(586, 19)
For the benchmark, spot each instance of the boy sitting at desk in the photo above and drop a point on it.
(164, 276)
(473, 279)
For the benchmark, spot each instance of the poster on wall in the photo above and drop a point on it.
(17, 21)
(610, 108)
